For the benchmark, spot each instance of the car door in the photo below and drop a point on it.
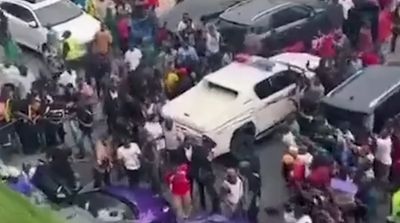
(23, 25)
(275, 102)
(300, 29)
(288, 24)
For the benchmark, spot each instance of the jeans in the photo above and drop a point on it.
(209, 187)
(133, 177)
(101, 176)
(79, 137)
(85, 137)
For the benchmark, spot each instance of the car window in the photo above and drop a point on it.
(18, 11)
(275, 83)
(263, 25)
(103, 207)
(57, 13)
(283, 79)
(289, 15)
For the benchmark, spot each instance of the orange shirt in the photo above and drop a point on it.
(102, 42)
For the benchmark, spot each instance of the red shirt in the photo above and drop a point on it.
(370, 58)
(123, 28)
(299, 171)
(320, 177)
(162, 35)
(178, 181)
(385, 26)
(153, 3)
(327, 48)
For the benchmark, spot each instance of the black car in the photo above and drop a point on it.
(278, 23)
(204, 10)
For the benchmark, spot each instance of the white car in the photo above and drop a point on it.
(29, 21)
(242, 101)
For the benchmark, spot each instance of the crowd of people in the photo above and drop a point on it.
(135, 65)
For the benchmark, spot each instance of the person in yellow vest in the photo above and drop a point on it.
(171, 81)
(72, 51)
(91, 8)
(395, 208)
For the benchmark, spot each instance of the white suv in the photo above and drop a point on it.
(29, 21)
(241, 102)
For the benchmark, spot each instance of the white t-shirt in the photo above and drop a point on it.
(182, 26)
(130, 156)
(289, 139)
(304, 219)
(156, 132)
(172, 138)
(133, 57)
(347, 5)
(236, 191)
(384, 150)
(213, 42)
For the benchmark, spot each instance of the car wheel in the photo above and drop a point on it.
(242, 142)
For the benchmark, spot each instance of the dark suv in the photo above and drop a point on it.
(278, 23)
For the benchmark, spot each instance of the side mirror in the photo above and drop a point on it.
(33, 24)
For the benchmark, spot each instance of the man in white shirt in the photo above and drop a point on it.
(213, 41)
(233, 188)
(183, 24)
(172, 141)
(129, 154)
(383, 159)
(133, 57)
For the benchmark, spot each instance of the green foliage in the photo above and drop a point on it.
(14, 208)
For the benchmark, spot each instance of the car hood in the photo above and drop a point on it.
(151, 207)
(196, 9)
(201, 110)
(82, 28)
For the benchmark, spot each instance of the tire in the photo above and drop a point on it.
(243, 142)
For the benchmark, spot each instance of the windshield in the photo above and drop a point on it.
(216, 89)
(336, 116)
(57, 13)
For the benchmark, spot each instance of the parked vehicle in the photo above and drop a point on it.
(29, 21)
(279, 24)
(367, 99)
(241, 102)
(206, 10)
(125, 204)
